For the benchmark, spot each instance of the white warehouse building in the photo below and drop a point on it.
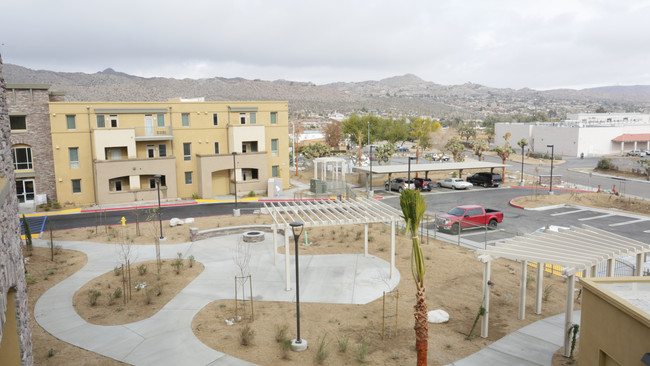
(572, 138)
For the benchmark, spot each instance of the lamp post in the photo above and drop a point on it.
(409, 174)
(297, 344)
(370, 177)
(234, 178)
(521, 181)
(158, 177)
(550, 190)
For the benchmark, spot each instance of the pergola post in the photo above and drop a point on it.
(275, 244)
(594, 271)
(540, 288)
(638, 270)
(522, 290)
(392, 248)
(287, 264)
(568, 316)
(487, 260)
(610, 267)
(315, 169)
(365, 240)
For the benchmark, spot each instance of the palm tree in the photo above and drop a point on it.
(413, 207)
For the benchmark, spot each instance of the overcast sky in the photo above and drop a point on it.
(514, 44)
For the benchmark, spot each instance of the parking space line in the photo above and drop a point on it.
(629, 222)
(568, 212)
(597, 217)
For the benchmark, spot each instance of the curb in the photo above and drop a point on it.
(516, 206)
(609, 176)
(139, 207)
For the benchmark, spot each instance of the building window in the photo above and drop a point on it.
(275, 171)
(274, 147)
(152, 182)
(215, 119)
(242, 118)
(113, 120)
(216, 148)
(188, 177)
(76, 186)
(187, 151)
(162, 150)
(274, 118)
(101, 121)
(151, 151)
(161, 120)
(249, 174)
(185, 118)
(22, 158)
(118, 185)
(253, 118)
(74, 157)
(71, 122)
(18, 122)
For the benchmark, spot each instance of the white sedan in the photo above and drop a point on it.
(454, 183)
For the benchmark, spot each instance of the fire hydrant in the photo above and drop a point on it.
(123, 220)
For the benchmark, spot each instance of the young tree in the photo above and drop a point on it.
(385, 152)
(356, 128)
(413, 207)
(316, 150)
(456, 148)
(645, 164)
(332, 132)
(522, 143)
(503, 152)
(479, 147)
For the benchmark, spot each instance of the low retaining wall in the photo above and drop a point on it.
(195, 234)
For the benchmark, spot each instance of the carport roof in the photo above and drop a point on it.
(331, 212)
(631, 137)
(577, 247)
(403, 168)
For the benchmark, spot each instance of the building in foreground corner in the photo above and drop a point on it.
(15, 334)
(111, 152)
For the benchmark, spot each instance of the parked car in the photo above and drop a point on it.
(485, 179)
(454, 183)
(424, 184)
(633, 153)
(647, 153)
(403, 149)
(468, 216)
(399, 184)
(436, 157)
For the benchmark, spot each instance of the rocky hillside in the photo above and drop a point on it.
(400, 95)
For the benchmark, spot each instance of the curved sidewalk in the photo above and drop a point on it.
(532, 345)
(166, 338)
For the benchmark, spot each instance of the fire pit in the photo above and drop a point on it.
(253, 236)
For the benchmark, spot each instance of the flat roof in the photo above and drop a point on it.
(429, 167)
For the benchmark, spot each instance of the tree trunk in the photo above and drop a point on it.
(503, 175)
(421, 327)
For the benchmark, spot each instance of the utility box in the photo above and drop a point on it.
(274, 187)
(317, 186)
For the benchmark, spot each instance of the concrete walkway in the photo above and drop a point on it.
(534, 345)
(167, 338)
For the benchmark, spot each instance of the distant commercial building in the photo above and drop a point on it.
(589, 136)
(15, 333)
(31, 143)
(111, 152)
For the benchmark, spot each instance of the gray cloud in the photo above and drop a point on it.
(501, 43)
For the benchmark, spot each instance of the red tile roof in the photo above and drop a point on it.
(630, 137)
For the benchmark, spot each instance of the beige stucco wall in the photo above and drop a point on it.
(612, 325)
(201, 134)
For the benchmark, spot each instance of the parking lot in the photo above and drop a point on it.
(517, 221)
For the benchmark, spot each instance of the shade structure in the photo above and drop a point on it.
(321, 213)
(576, 249)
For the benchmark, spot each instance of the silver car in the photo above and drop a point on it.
(454, 183)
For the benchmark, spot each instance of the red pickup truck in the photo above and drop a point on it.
(468, 216)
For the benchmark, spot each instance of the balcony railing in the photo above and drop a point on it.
(153, 133)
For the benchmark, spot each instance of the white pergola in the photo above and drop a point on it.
(576, 249)
(317, 213)
(335, 164)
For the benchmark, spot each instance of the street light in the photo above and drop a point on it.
(521, 182)
(370, 177)
(550, 190)
(158, 178)
(409, 175)
(297, 344)
(234, 178)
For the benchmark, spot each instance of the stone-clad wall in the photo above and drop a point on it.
(34, 103)
(12, 269)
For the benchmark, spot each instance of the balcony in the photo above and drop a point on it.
(153, 133)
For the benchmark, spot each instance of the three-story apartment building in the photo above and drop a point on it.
(112, 152)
